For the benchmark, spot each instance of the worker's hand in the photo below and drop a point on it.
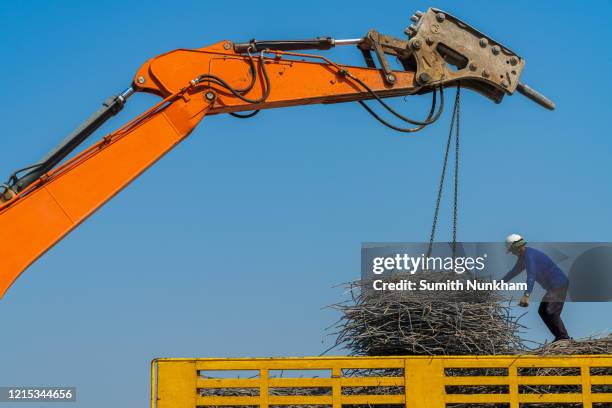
(524, 301)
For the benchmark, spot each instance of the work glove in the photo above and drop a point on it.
(524, 302)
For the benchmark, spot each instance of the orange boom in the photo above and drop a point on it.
(44, 202)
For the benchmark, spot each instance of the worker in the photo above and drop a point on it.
(541, 269)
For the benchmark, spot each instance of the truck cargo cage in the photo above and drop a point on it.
(411, 382)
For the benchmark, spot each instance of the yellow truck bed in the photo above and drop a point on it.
(416, 382)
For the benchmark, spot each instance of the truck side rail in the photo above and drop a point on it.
(411, 382)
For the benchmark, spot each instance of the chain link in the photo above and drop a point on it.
(456, 197)
(454, 125)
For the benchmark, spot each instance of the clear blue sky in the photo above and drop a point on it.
(231, 244)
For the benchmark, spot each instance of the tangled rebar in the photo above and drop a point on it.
(442, 322)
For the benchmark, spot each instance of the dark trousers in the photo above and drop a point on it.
(550, 311)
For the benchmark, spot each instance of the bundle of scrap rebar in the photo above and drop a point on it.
(382, 323)
(591, 345)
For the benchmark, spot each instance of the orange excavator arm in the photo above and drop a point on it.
(57, 194)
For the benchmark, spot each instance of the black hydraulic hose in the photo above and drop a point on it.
(253, 72)
(245, 115)
(428, 121)
(408, 130)
(14, 177)
(219, 81)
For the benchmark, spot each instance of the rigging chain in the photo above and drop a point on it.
(454, 125)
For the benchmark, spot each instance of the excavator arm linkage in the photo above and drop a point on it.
(56, 195)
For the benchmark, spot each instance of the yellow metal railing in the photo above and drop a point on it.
(413, 382)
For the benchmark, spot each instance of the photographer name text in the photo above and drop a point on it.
(449, 285)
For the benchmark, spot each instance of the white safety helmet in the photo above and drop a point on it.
(514, 241)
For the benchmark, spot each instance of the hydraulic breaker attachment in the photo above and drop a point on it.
(443, 50)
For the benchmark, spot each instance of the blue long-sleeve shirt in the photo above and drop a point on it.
(540, 268)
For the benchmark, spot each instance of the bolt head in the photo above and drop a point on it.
(513, 61)
(504, 83)
(473, 67)
(391, 78)
(429, 40)
(414, 18)
(440, 17)
(416, 44)
(210, 96)
(424, 77)
(495, 49)
(140, 80)
(485, 73)
(418, 13)
(483, 42)
(227, 45)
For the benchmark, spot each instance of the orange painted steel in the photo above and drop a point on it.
(50, 208)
